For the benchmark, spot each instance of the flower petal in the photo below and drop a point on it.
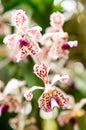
(19, 18)
(61, 98)
(11, 40)
(13, 85)
(45, 102)
(29, 93)
(57, 20)
(27, 47)
(73, 43)
(35, 32)
(42, 72)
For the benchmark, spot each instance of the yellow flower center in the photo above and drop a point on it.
(79, 113)
(50, 92)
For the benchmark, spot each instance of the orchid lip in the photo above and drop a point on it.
(54, 104)
(4, 108)
(23, 43)
(65, 46)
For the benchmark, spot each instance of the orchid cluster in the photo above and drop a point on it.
(46, 49)
(26, 40)
(55, 41)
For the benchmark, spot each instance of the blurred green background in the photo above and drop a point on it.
(39, 11)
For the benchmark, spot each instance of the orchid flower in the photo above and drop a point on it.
(25, 40)
(55, 40)
(70, 115)
(11, 96)
(57, 45)
(52, 96)
(60, 48)
(27, 47)
(9, 103)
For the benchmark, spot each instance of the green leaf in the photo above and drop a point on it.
(41, 11)
(10, 4)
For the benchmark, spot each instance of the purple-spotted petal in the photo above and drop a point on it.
(35, 32)
(60, 98)
(42, 72)
(29, 93)
(27, 48)
(22, 53)
(33, 48)
(57, 20)
(45, 102)
(19, 19)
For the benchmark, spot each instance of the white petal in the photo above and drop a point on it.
(64, 78)
(55, 79)
(54, 103)
(12, 85)
(73, 43)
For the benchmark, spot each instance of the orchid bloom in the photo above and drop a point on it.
(60, 47)
(9, 103)
(11, 96)
(52, 96)
(27, 47)
(25, 41)
(55, 40)
(57, 44)
(70, 115)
